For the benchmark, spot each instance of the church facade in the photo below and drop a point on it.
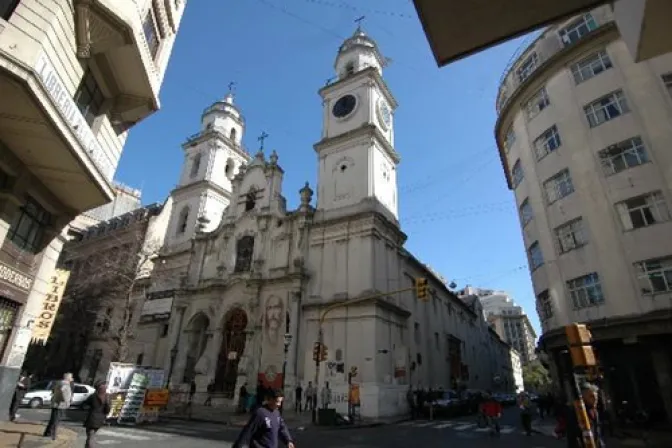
(247, 280)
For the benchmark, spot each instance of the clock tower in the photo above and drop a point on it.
(357, 159)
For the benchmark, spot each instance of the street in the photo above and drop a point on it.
(458, 433)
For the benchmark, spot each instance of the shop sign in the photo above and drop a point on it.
(50, 304)
(14, 284)
(157, 397)
(66, 105)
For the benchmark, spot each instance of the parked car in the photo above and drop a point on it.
(39, 394)
(446, 405)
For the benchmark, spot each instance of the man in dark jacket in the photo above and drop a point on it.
(266, 426)
(22, 387)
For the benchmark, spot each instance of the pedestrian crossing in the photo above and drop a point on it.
(459, 426)
(118, 435)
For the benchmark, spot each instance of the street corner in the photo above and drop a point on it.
(30, 434)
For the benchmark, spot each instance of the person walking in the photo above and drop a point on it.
(493, 412)
(298, 398)
(22, 387)
(525, 406)
(99, 408)
(211, 390)
(61, 398)
(266, 426)
(310, 393)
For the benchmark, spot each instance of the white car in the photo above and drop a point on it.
(39, 394)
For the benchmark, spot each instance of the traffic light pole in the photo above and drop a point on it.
(320, 333)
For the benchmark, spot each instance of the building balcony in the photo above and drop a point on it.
(114, 36)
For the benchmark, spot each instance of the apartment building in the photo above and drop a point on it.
(508, 319)
(75, 76)
(126, 199)
(584, 136)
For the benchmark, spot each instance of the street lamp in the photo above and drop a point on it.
(287, 342)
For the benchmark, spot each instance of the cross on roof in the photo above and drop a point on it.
(261, 139)
(231, 85)
(359, 21)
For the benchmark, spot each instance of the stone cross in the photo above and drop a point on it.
(231, 86)
(261, 139)
(359, 22)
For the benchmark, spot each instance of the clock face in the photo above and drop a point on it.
(384, 114)
(344, 106)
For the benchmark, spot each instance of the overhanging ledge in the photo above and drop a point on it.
(456, 29)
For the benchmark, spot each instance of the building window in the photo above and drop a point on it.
(250, 201)
(89, 98)
(623, 155)
(585, 291)
(195, 165)
(416, 333)
(8, 312)
(526, 213)
(151, 33)
(667, 79)
(655, 276)
(606, 108)
(27, 231)
(7, 8)
(228, 169)
(537, 103)
(527, 67)
(547, 142)
(577, 29)
(182, 221)
(643, 211)
(544, 305)
(536, 257)
(591, 66)
(558, 186)
(244, 251)
(517, 174)
(571, 235)
(510, 139)
(140, 358)
(349, 69)
(233, 134)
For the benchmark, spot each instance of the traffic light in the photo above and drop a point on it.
(323, 353)
(579, 340)
(421, 288)
(317, 352)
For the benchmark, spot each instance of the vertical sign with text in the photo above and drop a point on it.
(50, 304)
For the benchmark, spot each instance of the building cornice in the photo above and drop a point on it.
(200, 185)
(366, 130)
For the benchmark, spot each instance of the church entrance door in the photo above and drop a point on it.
(233, 346)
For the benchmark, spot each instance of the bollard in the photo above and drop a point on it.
(431, 411)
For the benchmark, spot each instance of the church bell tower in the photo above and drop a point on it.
(357, 159)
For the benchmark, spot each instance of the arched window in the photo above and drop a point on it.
(182, 221)
(350, 68)
(233, 134)
(250, 201)
(195, 165)
(244, 251)
(228, 170)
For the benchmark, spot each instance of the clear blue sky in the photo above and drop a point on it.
(454, 204)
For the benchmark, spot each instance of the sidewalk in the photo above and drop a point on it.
(11, 433)
(294, 420)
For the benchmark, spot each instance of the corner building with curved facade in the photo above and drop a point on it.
(585, 138)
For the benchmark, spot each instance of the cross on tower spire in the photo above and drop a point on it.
(232, 84)
(261, 139)
(358, 21)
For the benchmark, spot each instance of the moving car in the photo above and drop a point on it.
(39, 394)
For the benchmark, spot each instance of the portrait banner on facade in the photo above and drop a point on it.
(50, 304)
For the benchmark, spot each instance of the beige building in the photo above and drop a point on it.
(507, 318)
(584, 136)
(75, 75)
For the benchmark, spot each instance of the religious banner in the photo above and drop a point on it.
(50, 304)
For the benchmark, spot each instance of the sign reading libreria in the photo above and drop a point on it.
(50, 305)
(70, 112)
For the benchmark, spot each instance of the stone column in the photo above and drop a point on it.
(177, 320)
(293, 352)
(663, 368)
